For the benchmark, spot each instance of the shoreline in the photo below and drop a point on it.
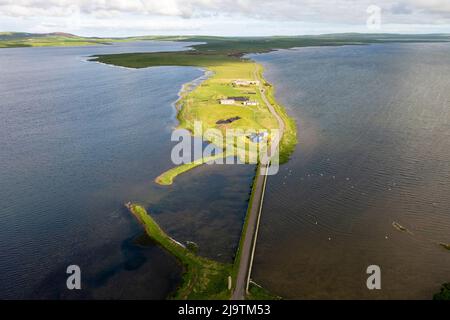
(194, 83)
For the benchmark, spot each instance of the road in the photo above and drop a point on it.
(254, 214)
(281, 125)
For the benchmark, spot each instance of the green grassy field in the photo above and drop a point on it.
(444, 293)
(58, 39)
(203, 279)
(12, 40)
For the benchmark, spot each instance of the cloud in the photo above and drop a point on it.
(202, 14)
(434, 6)
(333, 10)
(264, 9)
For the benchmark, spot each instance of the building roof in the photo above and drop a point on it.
(258, 136)
(239, 98)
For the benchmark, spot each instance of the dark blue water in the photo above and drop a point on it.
(374, 148)
(77, 140)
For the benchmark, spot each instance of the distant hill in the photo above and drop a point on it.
(23, 35)
(238, 45)
(24, 39)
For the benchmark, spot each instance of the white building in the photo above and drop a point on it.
(251, 103)
(227, 101)
(245, 83)
(258, 137)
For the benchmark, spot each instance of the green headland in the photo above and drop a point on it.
(59, 39)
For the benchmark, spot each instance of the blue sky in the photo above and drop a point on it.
(223, 17)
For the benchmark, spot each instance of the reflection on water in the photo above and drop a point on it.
(78, 140)
(374, 131)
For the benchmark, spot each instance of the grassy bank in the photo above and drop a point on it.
(444, 293)
(12, 40)
(202, 278)
(256, 292)
(167, 177)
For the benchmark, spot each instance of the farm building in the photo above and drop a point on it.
(227, 101)
(258, 137)
(234, 100)
(239, 99)
(245, 83)
(251, 103)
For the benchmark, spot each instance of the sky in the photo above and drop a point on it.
(224, 17)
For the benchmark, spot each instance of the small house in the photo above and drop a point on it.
(245, 83)
(258, 137)
(227, 101)
(239, 99)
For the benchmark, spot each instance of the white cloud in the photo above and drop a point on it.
(333, 10)
(202, 14)
(435, 6)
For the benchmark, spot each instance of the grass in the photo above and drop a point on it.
(444, 294)
(256, 292)
(203, 278)
(22, 39)
(52, 41)
(167, 177)
(183, 58)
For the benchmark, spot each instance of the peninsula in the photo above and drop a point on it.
(235, 90)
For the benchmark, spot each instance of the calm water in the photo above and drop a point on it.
(77, 140)
(374, 131)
